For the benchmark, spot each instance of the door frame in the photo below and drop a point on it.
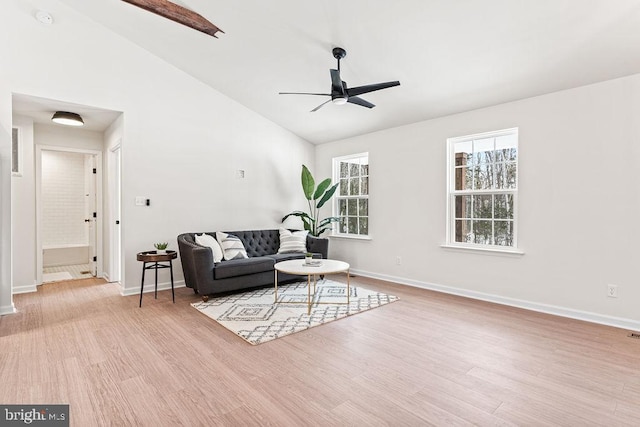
(114, 182)
(99, 207)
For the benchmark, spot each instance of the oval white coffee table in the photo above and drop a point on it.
(298, 267)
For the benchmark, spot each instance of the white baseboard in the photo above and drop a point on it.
(7, 309)
(150, 287)
(25, 289)
(601, 319)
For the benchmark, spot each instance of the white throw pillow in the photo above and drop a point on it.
(231, 245)
(208, 240)
(292, 242)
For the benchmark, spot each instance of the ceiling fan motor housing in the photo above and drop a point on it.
(339, 53)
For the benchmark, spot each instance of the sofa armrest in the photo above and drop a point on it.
(197, 262)
(203, 271)
(319, 245)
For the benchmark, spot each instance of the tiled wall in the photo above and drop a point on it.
(63, 199)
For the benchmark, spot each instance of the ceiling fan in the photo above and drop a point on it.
(340, 93)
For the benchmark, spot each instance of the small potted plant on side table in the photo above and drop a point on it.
(161, 248)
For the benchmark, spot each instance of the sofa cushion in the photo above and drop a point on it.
(241, 267)
(286, 257)
(232, 247)
(295, 241)
(209, 241)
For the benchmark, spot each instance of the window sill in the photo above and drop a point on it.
(348, 237)
(491, 250)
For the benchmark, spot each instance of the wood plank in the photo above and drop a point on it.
(428, 359)
(177, 14)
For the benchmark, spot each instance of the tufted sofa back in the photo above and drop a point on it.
(256, 242)
(259, 242)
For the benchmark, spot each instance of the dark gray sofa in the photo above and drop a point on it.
(206, 277)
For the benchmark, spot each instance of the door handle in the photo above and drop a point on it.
(87, 220)
(117, 222)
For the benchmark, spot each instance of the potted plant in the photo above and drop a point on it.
(161, 248)
(316, 197)
(308, 258)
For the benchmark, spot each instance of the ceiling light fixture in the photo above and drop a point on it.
(340, 100)
(67, 118)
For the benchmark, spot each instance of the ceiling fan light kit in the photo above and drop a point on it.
(340, 93)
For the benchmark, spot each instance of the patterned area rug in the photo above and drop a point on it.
(253, 316)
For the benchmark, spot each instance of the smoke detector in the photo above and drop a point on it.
(44, 17)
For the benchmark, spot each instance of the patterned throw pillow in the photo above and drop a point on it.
(208, 240)
(292, 242)
(232, 247)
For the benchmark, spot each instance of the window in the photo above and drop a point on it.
(351, 203)
(16, 153)
(483, 189)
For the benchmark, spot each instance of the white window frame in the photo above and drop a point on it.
(16, 168)
(452, 193)
(337, 197)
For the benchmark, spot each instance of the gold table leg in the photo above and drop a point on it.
(309, 294)
(348, 289)
(276, 282)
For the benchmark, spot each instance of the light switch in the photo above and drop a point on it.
(141, 201)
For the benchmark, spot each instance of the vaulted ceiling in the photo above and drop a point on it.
(449, 55)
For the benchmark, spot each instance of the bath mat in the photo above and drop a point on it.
(56, 277)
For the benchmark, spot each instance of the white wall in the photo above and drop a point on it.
(578, 197)
(68, 137)
(23, 247)
(182, 140)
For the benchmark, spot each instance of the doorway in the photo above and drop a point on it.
(68, 197)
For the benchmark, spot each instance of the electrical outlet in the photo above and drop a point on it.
(612, 291)
(398, 260)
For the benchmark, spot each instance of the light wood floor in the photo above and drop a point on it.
(428, 359)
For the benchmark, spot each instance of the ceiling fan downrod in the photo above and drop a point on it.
(339, 53)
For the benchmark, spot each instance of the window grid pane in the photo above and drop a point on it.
(351, 202)
(484, 181)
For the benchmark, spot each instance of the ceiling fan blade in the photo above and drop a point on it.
(303, 93)
(336, 82)
(178, 14)
(320, 106)
(360, 101)
(359, 90)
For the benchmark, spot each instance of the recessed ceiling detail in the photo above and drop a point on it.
(177, 14)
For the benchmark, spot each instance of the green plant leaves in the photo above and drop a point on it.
(327, 196)
(322, 187)
(308, 183)
(324, 192)
(301, 214)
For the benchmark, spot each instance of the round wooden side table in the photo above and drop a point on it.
(154, 259)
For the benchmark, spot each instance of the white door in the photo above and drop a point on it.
(90, 209)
